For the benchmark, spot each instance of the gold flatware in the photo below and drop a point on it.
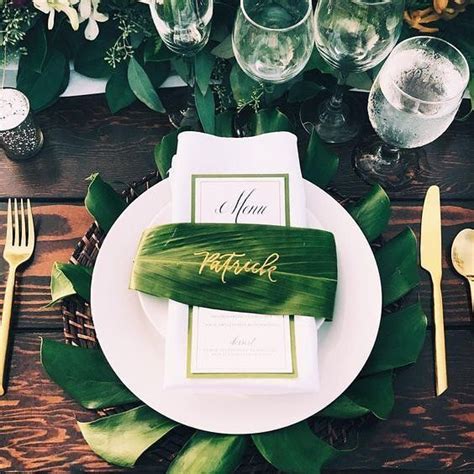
(431, 261)
(19, 245)
(462, 256)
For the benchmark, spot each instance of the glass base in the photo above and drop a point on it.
(333, 125)
(392, 168)
(186, 118)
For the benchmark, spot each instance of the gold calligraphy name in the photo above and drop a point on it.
(229, 262)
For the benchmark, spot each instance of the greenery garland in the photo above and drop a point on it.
(116, 40)
(121, 438)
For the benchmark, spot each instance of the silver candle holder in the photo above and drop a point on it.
(20, 137)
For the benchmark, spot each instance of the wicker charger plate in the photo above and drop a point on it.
(79, 330)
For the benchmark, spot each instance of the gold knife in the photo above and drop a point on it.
(431, 261)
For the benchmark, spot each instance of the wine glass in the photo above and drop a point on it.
(273, 39)
(184, 26)
(351, 36)
(412, 102)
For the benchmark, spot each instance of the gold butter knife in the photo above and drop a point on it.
(431, 261)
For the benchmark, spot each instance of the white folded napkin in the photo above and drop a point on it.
(244, 180)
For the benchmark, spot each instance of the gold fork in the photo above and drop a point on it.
(19, 245)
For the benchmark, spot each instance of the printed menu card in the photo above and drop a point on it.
(226, 180)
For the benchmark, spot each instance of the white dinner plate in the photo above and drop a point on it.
(135, 348)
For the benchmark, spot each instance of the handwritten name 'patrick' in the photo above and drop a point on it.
(221, 263)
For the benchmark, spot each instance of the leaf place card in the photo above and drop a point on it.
(227, 268)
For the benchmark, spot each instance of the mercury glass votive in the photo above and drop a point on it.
(20, 137)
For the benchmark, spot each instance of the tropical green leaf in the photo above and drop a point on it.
(372, 212)
(173, 261)
(122, 438)
(118, 92)
(206, 109)
(471, 98)
(344, 408)
(397, 263)
(84, 374)
(320, 164)
(224, 49)
(243, 87)
(317, 62)
(89, 60)
(157, 72)
(399, 341)
(203, 66)
(225, 124)
(209, 453)
(183, 68)
(164, 152)
(304, 90)
(142, 87)
(269, 120)
(103, 203)
(373, 394)
(42, 89)
(68, 279)
(359, 80)
(295, 449)
(36, 47)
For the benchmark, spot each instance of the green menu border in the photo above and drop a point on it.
(266, 375)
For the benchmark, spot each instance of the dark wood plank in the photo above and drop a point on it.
(60, 227)
(82, 137)
(38, 429)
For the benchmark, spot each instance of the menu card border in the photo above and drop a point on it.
(263, 375)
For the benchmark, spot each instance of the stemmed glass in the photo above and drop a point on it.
(412, 102)
(351, 36)
(184, 26)
(273, 39)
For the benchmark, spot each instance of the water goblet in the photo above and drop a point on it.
(351, 36)
(273, 39)
(184, 26)
(412, 102)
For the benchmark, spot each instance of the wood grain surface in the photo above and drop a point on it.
(37, 421)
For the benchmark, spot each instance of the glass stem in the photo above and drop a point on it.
(335, 102)
(389, 155)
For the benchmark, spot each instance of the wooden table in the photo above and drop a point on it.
(38, 428)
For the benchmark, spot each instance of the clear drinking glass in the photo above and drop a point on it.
(351, 36)
(273, 39)
(184, 26)
(412, 102)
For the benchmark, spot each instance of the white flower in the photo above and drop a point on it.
(52, 6)
(88, 10)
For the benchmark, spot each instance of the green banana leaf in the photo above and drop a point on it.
(399, 341)
(209, 453)
(84, 374)
(68, 279)
(103, 203)
(269, 120)
(170, 263)
(372, 212)
(122, 438)
(372, 394)
(295, 449)
(320, 164)
(397, 263)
